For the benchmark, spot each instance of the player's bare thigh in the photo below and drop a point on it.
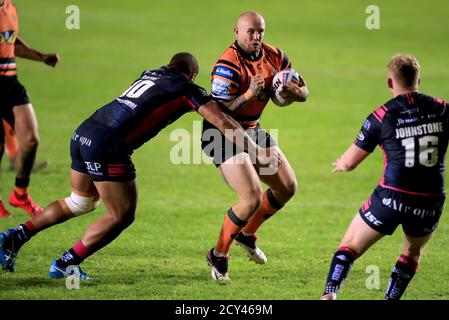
(240, 174)
(119, 198)
(281, 180)
(82, 184)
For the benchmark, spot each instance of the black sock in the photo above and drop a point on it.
(402, 274)
(22, 182)
(69, 258)
(273, 201)
(340, 267)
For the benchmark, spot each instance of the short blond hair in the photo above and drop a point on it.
(405, 69)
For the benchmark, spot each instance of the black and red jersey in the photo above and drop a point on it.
(412, 130)
(158, 98)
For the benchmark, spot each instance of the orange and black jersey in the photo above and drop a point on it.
(9, 29)
(233, 71)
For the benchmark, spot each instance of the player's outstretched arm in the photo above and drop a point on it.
(23, 50)
(350, 159)
(233, 131)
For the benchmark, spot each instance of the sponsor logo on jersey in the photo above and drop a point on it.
(8, 37)
(404, 208)
(224, 72)
(407, 121)
(127, 103)
(409, 112)
(93, 168)
(373, 219)
(84, 141)
(367, 125)
(361, 136)
(149, 77)
(220, 87)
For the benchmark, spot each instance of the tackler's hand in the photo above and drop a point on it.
(268, 160)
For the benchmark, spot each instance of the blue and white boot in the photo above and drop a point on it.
(8, 252)
(58, 272)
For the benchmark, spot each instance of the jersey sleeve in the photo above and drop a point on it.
(445, 106)
(369, 135)
(196, 96)
(285, 61)
(225, 79)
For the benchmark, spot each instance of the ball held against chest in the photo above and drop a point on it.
(281, 79)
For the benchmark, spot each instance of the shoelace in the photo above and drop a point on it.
(10, 255)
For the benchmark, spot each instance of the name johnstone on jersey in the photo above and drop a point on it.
(426, 128)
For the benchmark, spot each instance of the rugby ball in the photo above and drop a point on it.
(281, 79)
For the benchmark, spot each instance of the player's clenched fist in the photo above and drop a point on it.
(257, 83)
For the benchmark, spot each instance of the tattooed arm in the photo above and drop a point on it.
(256, 85)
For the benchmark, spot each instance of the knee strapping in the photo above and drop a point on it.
(79, 205)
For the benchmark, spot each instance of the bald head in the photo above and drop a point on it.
(249, 31)
(185, 63)
(249, 17)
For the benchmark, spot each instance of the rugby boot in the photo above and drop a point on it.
(58, 272)
(248, 243)
(218, 265)
(25, 202)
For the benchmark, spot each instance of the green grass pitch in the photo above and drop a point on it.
(181, 207)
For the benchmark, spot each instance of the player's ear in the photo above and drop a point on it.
(390, 83)
(419, 81)
(236, 31)
(193, 76)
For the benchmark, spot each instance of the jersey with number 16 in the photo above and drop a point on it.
(412, 131)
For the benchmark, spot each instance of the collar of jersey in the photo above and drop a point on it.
(246, 55)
